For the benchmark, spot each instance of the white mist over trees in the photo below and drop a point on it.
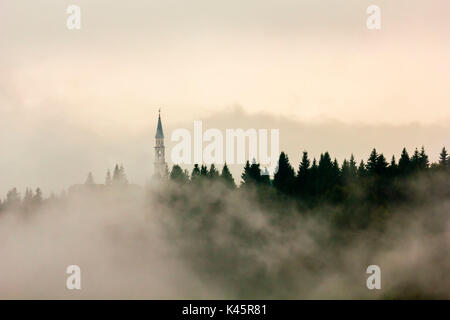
(308, 233)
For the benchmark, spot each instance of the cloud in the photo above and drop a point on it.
(54, 150)
(173, 242)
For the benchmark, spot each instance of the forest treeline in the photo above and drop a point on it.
(365, 190)
(320, 214)
(33, 199)
(325, 179)
(287, 236)
(375, 181)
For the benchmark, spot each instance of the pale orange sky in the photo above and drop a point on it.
(307, 59)
(303, 60)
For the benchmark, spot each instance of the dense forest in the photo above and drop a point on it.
(351, 215)
(362, 189)
(310, 232)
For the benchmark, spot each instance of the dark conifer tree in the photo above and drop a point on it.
(404, 164)
(312, 186)
(116, 174)
(37, 198)
(345, 169)
(371, 165)
(123, 176)
(349, 170)
(204, 171)
(195, 175)
(314, 166)
(284, 177)
(443, 158)
(245, 176)
(213, 174)
(362, 172)
(392, 169)
(178, 175)
(325, 164)
(336, 170)
(226, 177)
(424, 163)
(381, 165)
(415, 160)
(326, 172)
(251, 174)
(265, 177)
(302, 180)
(255, 172)
(353, 168)
(304, 166)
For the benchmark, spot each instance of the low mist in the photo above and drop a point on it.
(172, 241)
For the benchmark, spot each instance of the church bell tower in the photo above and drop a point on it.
(160, 160)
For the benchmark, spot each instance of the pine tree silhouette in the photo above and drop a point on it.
(284, 178)
(381, 165)
(226, 177)
(371, 165)
(393, 168)
(415, 160)
(195, 175)
(213, 174)
(13, 199)
(37, 198)
(90, 179)
(252, 174)
(123, 177)
(424, 163)
(27, 201)
(303, 174)
(404, 164)
(116, 174)
(119, 176)
(204, 171)
(362, 172)
(353, 168)
(443, 158)
(178, 175)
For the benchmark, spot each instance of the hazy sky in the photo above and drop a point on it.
(301, 60)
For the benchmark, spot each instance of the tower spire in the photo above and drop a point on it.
(159, 130)
(160, 161)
